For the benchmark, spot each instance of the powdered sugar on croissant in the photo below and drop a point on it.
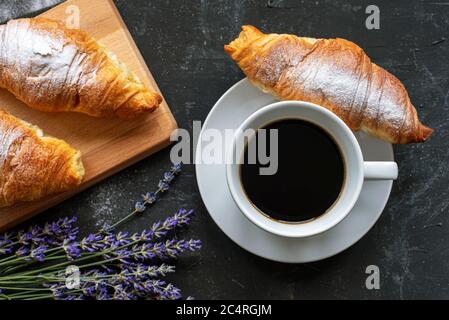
(333, 73)
(52, 68)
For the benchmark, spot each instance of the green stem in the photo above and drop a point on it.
(23, 289)
(129, 216)
(21, 259)
(7, 258)
(89, 256)
(14, 260)
(121, 221)
(38, 297)
(18, 242)
(27, 293)
(15, 282)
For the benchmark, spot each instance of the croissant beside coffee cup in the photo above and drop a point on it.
(333, 73)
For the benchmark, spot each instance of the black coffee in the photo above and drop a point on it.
(309, 178)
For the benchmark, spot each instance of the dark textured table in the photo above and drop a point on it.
(182, 42)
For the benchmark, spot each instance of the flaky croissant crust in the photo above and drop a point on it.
(33, 165)
(333, 73)
(52, 68)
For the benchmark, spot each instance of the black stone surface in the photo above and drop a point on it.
(182, 42)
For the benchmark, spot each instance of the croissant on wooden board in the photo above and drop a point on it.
(52, 68)
(333, 73)
(33, 165)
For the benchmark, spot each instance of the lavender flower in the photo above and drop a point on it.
(113, 265)
(122, 238)
(72, 249)
(149, 198)
(52, 234)
(38, 253)
(103, 294)
(24, 238)
(176, 168)
(89, 290)
(161, 290)
(22, 251)
(5, 247)
(169, 176)
(160, 229)
(60, 230)
(143, 271)
(92, 243)
(163, 186)
(6, 238)
(164, 250)
(140, 207)
(173, 248)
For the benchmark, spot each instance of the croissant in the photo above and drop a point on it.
(52, 68)
(333, 73)
(33, 165)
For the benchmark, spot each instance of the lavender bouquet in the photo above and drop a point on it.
(49, 262)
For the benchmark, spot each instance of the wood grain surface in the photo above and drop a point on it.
(107, 145)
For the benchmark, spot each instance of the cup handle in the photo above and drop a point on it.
(380, 170)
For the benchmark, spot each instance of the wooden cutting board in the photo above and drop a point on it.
(107, 145)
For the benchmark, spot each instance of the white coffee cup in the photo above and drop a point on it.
(356, 169)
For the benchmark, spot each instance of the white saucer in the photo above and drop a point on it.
(228, 113)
